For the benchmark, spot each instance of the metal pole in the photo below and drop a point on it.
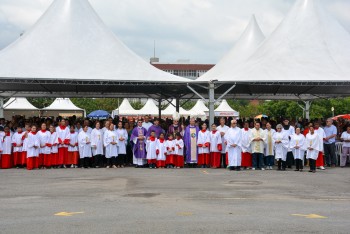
(211, 102)
(1, 107)
(307, 109)
(160, 108)
(177, 104)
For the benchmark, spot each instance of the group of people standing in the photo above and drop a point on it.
(194, 145)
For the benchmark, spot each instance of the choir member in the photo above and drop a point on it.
(97, 145)
(281, 140)
(25, 143)
(257, 139)
(17, 143)
(312, 146)
(146, 124)
(290, 131)
(6, 161)
(161, 151)
(151, 148)
(203, 144)
(63, 142)
(73, 151)
(84, 142)
(233, 138)
(190, 139)
(33, 147)
(170, 151)
(215, 147)
(138, 137)
(179, 151)
(87, 123)
(247, 160)
(345, 138)
(296, 144)
(123, 136)
(322, 135)
(269, 146)
(53, 143)
(110, 142)
(45, 150)
(222, 128)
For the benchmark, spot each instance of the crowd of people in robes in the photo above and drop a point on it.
(172, 143)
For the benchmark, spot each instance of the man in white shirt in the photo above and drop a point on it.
(289, 130)
(146, 124)
(329, 143)
(345, 138)
(223, 129)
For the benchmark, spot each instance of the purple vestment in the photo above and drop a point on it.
(187, 140)
(139, 148)
(157, 129)
(174, 129)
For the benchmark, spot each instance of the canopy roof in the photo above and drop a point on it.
(63, 104)
(224, 109)
(71, 45)
(251, 38)
(99, 114)
(306, 57)
(200, 109)
(150, 108)
(19, 104)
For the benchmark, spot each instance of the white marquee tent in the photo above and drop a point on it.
(170, 110)
(63, 107)
(19, 106)
(225, 110)
(150, 108)
(125, 109)
(200, 109)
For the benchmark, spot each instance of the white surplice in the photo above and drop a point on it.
(234, 137)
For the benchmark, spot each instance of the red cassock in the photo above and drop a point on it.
(32, 163)
(320, 160)
(179, 161)
(247, 160)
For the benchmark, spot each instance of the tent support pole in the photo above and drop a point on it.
(195, 92)
(307, 109)
(211, 102)
(177, 104)
(229, 90)
(1, 107)
(160, 108)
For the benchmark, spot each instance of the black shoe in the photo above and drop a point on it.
(311, 171)
(296, 170)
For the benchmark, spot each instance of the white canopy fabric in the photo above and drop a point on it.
(200, 109)
(247, 44)
(70, 42)
(225, 110)
(63, 104)
(19, 104)
(171, 109)
(150, 108)
(309, 46)
(125, 109)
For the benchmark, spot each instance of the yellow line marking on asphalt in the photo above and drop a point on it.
(184, 214)
(68, 214)
(310, 216)
(205, 172)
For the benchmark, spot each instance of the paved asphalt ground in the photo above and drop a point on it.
(174, 201)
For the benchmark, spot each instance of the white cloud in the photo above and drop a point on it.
(200, 30)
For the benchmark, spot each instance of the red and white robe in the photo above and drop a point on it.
(203, 144)
(215, 149)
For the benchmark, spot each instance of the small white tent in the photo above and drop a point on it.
(125, 109)
(19, 106)
(225, 110)
(170, 110)
(200, 109)
(150, 108)
(63, 107)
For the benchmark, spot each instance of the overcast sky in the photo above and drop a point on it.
(199, 30)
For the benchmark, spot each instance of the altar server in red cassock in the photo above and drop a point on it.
(161, 151)
(179, 151)
(53, 144)
(215, 147)
(151, 148)
(25, 143)
(17, 143)
(63, 142)
(203, 144)
(33, 149)
(247, 160)
(45, 149)
(6, 160)
(73, 151)
(170, 151)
